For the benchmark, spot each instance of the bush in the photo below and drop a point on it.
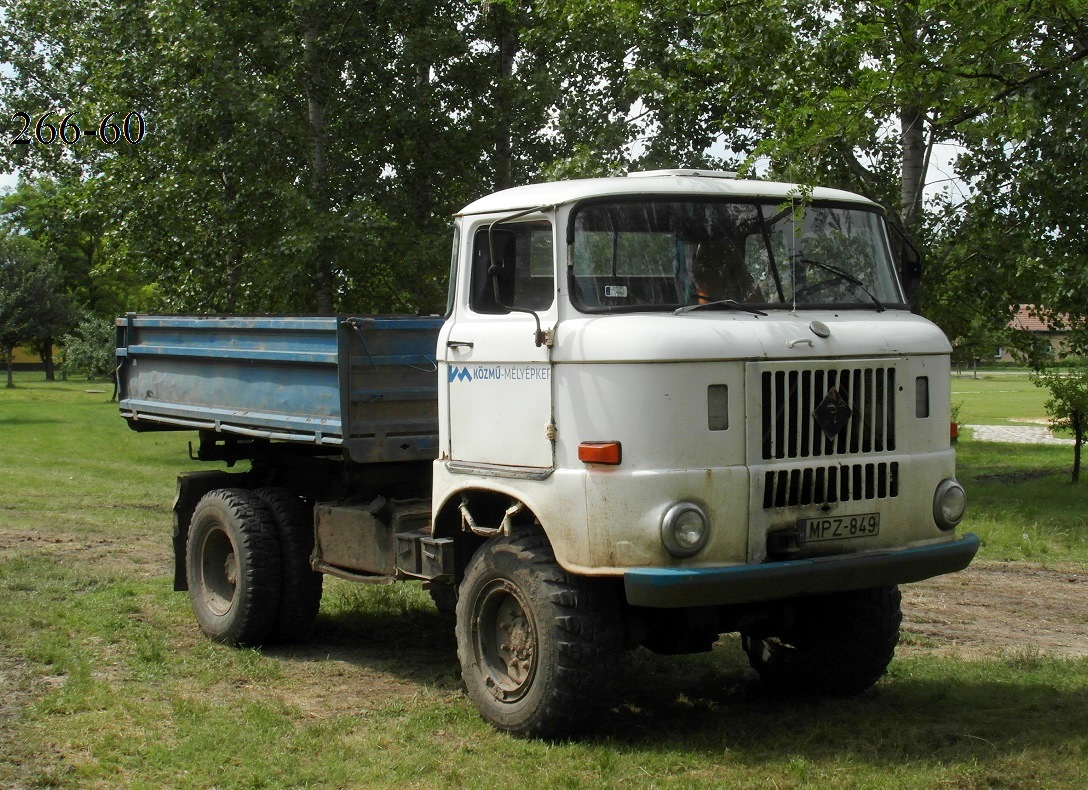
(91, 348)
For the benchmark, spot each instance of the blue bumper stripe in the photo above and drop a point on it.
(681, 587)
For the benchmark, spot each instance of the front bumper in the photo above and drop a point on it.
(667, 588)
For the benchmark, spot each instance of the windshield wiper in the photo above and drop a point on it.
(728, 304)
(842, 275)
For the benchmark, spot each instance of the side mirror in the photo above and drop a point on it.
(494, 273)
(910, 270)
(910, 263)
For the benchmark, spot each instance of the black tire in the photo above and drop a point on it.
(300, 587)
(837, 645)
(232, 562)
(538, 647)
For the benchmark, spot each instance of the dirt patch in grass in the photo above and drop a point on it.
(1016, 477)
(998, 608)
(134, 557)
(358, 663)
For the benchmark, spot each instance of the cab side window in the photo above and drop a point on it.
(512, 266)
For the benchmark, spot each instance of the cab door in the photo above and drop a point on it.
(498, 379)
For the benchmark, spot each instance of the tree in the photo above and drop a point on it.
(61, 215)
(306, 155)
(1068, 403)
(253, 187)
(32, 304)
(1025, 164)
(977, 342)
(859, 94)
(91, 348)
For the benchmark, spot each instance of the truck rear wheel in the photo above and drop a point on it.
(538, 647)
(232, 563)
(838, 644)
(300, 588)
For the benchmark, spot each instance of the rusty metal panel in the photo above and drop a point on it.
(408, 555)
(349, 536)
(437, 558)
(389, 388)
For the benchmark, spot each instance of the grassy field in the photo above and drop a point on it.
(996, 398)
(105, 680)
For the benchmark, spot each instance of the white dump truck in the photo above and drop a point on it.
(658, 409)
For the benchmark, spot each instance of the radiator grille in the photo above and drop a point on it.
(829, 484)
(790, 400)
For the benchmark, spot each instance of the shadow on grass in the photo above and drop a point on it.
(949, 711)
(379, 629)
(928, 711)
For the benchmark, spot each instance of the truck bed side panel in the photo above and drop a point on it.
(286, 379)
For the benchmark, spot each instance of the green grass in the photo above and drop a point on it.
(106, 682)
(995, 398)
(1021, 502)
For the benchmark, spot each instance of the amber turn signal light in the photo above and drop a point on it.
(600, 452)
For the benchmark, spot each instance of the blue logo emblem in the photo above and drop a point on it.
(464, 374)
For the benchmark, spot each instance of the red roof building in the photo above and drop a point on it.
(1026, 320)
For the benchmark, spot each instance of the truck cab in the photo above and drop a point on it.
(685, 370)
(710, 393)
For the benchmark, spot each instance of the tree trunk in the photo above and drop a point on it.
(506, 41)
(911, 119)
(1078, 434)
(9, 356)
(316, 106)
(234, 257)
(914, 164)
(234, 254)
(46, 355)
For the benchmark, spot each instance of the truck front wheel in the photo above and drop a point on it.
(232, 562)
(838, 644)
(538, 647)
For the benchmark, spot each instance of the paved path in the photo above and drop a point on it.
(1022, 434)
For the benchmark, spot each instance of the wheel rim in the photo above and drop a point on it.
(218, 571)
(505, 641)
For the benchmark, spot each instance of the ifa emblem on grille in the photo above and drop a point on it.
(832, 413)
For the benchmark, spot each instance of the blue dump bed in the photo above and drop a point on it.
(366, 385)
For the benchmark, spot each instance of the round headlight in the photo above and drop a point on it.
(684, 529)
(949, 504)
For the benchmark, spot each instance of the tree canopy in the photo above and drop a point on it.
(303, 154)
(307, 154)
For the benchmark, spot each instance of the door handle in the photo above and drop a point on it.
(459, 344)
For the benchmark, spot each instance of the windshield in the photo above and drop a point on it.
(660, 254)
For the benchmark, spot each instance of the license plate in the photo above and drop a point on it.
(862, 525)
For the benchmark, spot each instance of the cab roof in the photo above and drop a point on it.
(697, 183)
